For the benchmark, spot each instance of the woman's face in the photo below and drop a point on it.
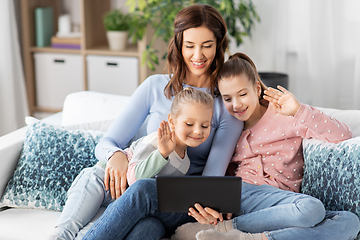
(198, 50)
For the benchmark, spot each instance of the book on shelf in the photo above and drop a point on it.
(64, 45)
(43, 26)
(68, 35)
(57, 40)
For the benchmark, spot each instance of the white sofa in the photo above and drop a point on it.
(85, 110)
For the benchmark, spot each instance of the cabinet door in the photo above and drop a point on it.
(57, 75)
(115, 75)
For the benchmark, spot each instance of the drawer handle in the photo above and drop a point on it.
(111, 64)
(59, 60)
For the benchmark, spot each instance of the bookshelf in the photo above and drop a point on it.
(93, 42)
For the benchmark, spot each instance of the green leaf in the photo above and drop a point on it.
(150, 65)
(144, 57)
(142, 4)
(154, 58)
(115, 20)
(164, 56)
(131, 4)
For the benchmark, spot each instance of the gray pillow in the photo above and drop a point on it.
(332, 173)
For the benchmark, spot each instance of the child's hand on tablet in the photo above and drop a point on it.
(207, 215)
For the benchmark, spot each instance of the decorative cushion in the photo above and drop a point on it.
(92, 110)
(50, 160)
(99, 126)
(332, 173)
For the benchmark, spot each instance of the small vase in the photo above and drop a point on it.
(117, 40)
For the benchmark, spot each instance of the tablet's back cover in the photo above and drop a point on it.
(177, 194)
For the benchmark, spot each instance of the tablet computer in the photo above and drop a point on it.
(178, 193)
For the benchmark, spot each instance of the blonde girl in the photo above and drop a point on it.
(164, 152)
(269, 159)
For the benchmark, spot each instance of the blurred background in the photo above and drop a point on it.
(314, 43)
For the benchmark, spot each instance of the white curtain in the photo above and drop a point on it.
(13, 99)
(317, 43)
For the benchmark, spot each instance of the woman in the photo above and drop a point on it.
(195, 56)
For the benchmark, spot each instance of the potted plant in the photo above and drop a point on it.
(239, 15)
(117, 25)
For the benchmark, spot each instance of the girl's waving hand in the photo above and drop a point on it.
(166, 139)
(283, 101)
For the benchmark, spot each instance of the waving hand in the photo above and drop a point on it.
(283, 101)
(166, 139)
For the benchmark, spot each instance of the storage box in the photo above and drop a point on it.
(57, 75)
(114, 75)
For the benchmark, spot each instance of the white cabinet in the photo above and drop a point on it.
(112, 74)
(57, 75)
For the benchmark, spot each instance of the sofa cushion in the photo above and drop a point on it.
(332, 173)
(349, 117)
(92, 110)
(50, 160)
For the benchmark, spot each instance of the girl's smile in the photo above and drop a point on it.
(195, 138)
(240, 112)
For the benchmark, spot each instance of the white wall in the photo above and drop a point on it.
(316, 43)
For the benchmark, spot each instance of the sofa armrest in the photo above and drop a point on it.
(10, 149)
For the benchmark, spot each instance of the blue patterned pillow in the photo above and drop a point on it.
(50, 160)
(332, 173)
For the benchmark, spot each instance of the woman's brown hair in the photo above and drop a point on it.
(192, 17)
(237, 64)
